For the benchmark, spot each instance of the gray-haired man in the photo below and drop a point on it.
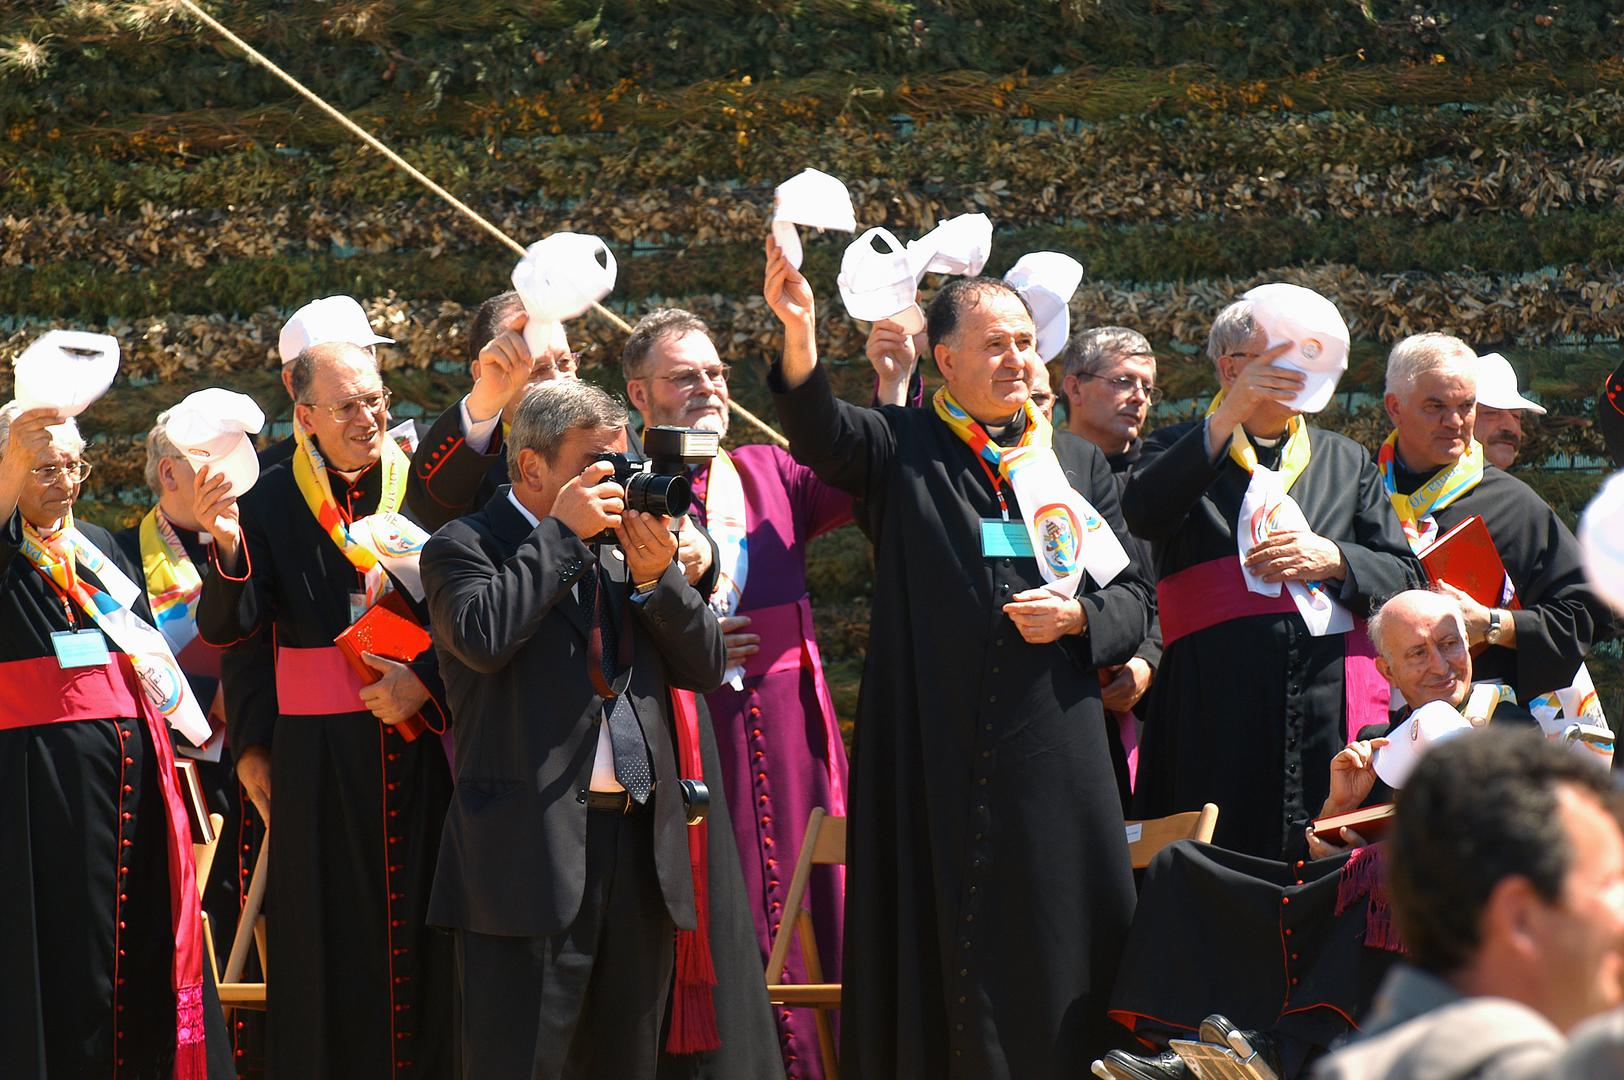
(564, 865)
(1110, 385)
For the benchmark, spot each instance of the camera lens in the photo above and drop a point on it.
(651, 493)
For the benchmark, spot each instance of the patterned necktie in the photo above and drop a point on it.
(625, 736)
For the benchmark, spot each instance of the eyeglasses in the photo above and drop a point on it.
(688, 378)
(563, 364)
(1126, 385)
(346, 411)
(46, 475)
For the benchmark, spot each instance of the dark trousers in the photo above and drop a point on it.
(585, 1003)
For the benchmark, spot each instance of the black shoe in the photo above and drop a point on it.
(1215, 1029)
(1121, 1065)
(1258, 1050)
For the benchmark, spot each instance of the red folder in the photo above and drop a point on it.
(390, 630)
(1466, 558)
(1370, 822)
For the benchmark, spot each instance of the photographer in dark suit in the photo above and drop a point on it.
(564, 864)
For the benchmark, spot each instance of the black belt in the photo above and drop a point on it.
(616, 802)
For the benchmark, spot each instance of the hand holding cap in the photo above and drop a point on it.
(810, 198)
(66, 370)
(1048, 280)
(1318, 332)
(560, 277)
(211, 428)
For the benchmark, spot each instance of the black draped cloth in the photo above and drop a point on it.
(359, 986)
(1559, 615)
(1249, 712)
(85, 922)
(988, 888)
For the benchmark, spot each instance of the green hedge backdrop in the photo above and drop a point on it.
(1453, 166)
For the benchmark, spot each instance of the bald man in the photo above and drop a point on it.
(355, 796)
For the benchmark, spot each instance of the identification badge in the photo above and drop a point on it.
(80, 648)
(1005, 539)
(358, 607)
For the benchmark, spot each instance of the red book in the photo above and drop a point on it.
(1370, 822)
(1466, 558)
(197, 807)
(390, 630)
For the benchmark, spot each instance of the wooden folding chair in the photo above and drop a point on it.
(1146, 838)
(250, 926)
(824, 845)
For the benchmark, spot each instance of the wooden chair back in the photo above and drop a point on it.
(823, 845)
(1146, 838)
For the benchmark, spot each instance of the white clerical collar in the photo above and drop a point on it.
(1268, 444)
(523, 509)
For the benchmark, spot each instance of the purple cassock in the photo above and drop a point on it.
(778, 739)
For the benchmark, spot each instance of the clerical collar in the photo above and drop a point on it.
(1126, 459)
(1259, 440)
(1008, 434)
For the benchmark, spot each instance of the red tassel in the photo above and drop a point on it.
(1364, 877)
(693, 1009)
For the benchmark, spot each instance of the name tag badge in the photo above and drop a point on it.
(1005, 539)
(80, 648)
(358, 607)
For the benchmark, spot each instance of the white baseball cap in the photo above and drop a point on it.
(560, 277)
(332, 318)
(1048, 280)
(1601, 542)
(211, 427)
(1497, 385)
(814, 199)
(878, 283)
(1292, 313)
(66, 370)
(1427, 726)
(959, 245)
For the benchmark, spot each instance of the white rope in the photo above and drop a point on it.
(473, 215)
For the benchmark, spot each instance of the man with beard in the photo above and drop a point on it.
(1435, 475)
(462, 460)
(989, 885)
(777, 735)
(1110, 385)
(361, 988)
(1291, 674)
(1500, 406)
(99, 922)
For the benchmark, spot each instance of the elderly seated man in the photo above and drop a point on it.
(1292, 951)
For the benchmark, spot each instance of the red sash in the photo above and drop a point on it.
(1207, 594)
(693, 1010)
(108, 692)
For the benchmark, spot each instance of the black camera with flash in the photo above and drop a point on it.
(658, 483)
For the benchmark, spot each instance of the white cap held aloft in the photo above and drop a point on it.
(1497, 385)
(960, 245)
(1318, 333)
(878, 282)
(332, 318)
(66, 370)
(1427, 726)
(1601, 542)
(814, 199)
(211, 428)
(1048, 280)
(560, 277)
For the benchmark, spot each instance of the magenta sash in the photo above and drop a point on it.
(109, 692)
(788, 644)
(316, 682)
(1207, 594)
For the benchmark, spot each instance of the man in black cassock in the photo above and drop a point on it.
(988, 885)
(359, 986)
(100, 977)
(1436, 475)
(1249, 706)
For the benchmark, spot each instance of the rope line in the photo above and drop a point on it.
(461, 207)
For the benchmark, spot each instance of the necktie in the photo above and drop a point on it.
(625, 737)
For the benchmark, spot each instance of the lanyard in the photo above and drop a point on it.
(997, 482)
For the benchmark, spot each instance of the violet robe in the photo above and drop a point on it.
(778, 740)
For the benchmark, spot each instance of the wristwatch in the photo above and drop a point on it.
(1497, 626)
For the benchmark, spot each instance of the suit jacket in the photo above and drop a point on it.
(512, 641)
(1423, 1029)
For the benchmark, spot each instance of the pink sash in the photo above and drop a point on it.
(1202, 596)
(788, 644)
(108, 692)
(316, 682)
